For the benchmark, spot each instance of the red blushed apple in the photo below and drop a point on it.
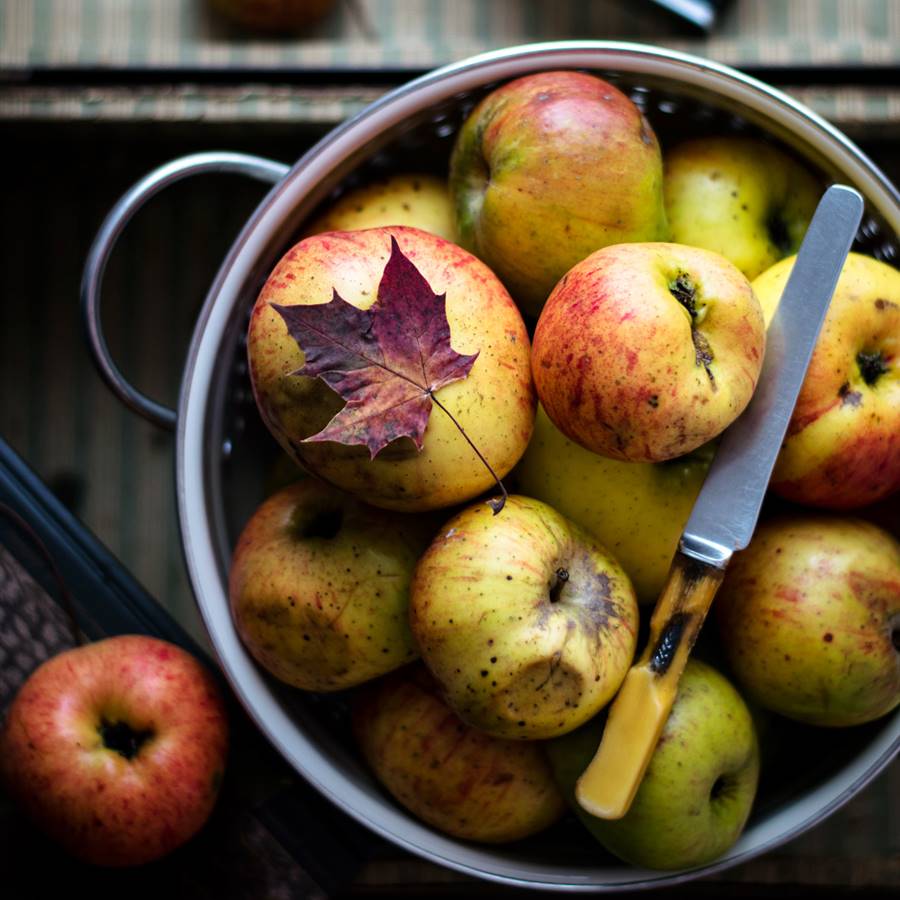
(116, 749)
(452, 776)
(549, 168)
(646, 351)
(809, 616)
(842, 449)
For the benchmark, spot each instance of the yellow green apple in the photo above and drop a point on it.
(452, 776)
(842, 448)
(636, 510)
(494, 403)
(527, 623)
(412, 199)
(547, 169)
(700, 784)
(319, 586)
(741, 197)
(809, 618)
(643, 352)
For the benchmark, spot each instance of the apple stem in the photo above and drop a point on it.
(64, 592)
(496, 503)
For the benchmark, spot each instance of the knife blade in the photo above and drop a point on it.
(725, 513)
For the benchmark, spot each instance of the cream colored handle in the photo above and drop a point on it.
(639, 712)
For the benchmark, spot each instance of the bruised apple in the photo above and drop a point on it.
(646, 351)
(319, 587)
(455, 778)
(842, 448)
(404, 281)
(549, 168)
(528, 624)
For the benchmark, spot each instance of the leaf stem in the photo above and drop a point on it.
(496, 503)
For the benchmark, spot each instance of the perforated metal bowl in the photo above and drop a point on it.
(222, 450)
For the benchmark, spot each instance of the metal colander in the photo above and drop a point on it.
(223, 451)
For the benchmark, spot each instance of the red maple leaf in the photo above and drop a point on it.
(386, 361)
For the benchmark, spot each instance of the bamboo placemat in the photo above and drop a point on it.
(38, 37)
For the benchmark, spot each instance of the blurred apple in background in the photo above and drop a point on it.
(528, 624)
(646, 351)
(451, 776)
(116, 749)
(740, 197)
(636, 510)
(319, 586)
(416, 200)
(809, 618)
(549, 168)
(843, 444)
(273, 15)
(698, 789)
(494, 403)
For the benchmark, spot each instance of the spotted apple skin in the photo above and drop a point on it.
(809, 617)
(527, 623)
(547, 169)
(644, 352)
(319, 586)
(842, 449)
(105, 806)
(454, 777)
(741, 197)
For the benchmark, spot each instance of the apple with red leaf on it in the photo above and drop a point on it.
(549, 168)
(393, 321)
(646, 351)
(116, 749)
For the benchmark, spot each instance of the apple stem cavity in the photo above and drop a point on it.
(683, 289)
(779, 234)
(496, 503)
(871, 365)
(324, 524)
(122, 738)
(65, 595)
(560, 577)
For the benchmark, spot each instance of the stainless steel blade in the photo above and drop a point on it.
(726, 511)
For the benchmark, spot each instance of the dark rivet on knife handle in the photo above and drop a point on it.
(668, 643)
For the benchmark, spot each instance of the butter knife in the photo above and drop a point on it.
(725, 514)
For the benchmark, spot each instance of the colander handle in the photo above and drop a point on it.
(119, 216)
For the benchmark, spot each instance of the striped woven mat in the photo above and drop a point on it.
(125, 36)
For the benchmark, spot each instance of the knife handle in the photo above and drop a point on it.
(640, 709)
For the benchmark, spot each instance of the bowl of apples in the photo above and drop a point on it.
(496, 324)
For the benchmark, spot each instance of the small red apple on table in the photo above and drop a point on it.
(116, 749)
